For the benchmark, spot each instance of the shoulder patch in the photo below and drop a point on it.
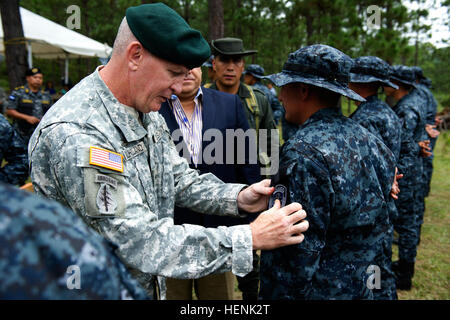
(105, 159)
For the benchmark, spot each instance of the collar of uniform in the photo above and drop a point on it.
(125, 121)
(371, 98)
(332, 112)
(243, 91)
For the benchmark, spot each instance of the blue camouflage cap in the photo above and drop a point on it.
(418, 72)
(208, 63)
(369, 69)
(404, 75)
(426, 82)
(318, 65)
(255, 70)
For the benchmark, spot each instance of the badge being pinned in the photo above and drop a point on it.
(106, 159)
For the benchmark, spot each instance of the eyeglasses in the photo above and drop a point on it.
(237, 61)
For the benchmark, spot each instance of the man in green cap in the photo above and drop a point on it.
(229, 64)
(101, 151)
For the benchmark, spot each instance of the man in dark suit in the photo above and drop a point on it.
(193, 117)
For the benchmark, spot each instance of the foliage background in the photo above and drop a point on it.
(274, 28)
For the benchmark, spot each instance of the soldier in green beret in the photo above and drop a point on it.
(102, 151)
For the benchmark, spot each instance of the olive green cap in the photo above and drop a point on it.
(164, 33)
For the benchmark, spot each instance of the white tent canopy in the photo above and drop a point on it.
(48, 40)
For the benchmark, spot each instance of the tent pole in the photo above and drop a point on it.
(30, 55)
(66, 71)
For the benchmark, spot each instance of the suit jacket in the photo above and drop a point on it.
(220, 111)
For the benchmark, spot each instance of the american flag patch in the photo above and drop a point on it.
(106, 159)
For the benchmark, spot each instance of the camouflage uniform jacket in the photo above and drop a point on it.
(341, 174)
(14, 150)
(25, 101)
(263, 112)
(134, 208)
(277, 108)
(410, 111)
(431, 109)
(377, 117)
(44, 246)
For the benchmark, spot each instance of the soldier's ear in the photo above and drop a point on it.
(134, 55)
(304, 91)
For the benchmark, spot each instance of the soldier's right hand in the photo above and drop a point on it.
(277, 227)
(32, 120)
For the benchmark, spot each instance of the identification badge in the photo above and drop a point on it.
(105, 159)
(134, 151)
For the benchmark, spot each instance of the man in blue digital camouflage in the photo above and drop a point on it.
(28, 103)
(343, 176)
(423, 85)
(47, 252)
(13, 150)
(105, 152)
(367, 75)
(410, 109)
(252, 76)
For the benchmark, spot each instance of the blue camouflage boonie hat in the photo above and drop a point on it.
(318, 65)
(418, 72)
(255, 70)
(369, 69)
(404, 75)
(208, 63)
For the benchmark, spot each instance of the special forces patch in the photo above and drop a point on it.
(105, 199)
(104, 195)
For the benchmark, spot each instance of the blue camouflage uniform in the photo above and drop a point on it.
(258, 72)
(431, 109)
(377, 117)
(44, 246)
(409, 110)
(342, 175)
(25, 101)
(14, 151)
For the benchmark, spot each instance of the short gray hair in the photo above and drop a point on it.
(124, 37)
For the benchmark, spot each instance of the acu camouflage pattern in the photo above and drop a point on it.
(40, 240)
(342, 175)
(153, 181)
(377, 117)
(14, 151)
(26, 101)
(410, 110)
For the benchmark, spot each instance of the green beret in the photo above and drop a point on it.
(164, 33)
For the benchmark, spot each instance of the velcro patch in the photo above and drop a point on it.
(105, 159)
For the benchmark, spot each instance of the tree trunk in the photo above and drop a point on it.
(215, 19)
(186, 10)
(15, 49)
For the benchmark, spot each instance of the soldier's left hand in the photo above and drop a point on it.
(431, 130)
(256, 197)
(395, 190)
(425, 148)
